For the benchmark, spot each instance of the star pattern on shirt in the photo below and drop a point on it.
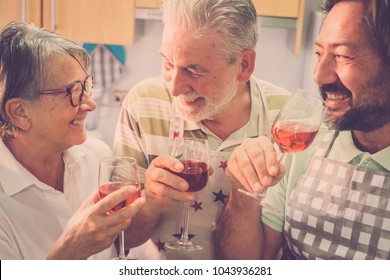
(160, 245)
(219, 196)
(223, 165)
(176, 134)
(197, 206)
(178, 235)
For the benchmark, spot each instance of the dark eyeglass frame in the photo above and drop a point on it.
(68, 90)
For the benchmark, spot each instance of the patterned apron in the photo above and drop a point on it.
(339, 211)
(207, 207)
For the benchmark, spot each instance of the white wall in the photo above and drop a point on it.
(275, 61)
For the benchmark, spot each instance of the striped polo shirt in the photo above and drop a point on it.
(144, 121)
(143, 132)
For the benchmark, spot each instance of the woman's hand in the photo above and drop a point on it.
(91, 229)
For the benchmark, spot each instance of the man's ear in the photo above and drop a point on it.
(248, 59)
(16, 111)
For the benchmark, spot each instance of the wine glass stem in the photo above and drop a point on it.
(122, 245)
(184, 235)
(281, 157)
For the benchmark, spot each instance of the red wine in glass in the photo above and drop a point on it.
(111, 187)
(195, 173)
(293, 137)
(194, 155)
(116, 173)
(294, 129)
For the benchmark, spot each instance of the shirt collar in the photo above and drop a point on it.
(250, 129)
(73, 156)
(347, 151)
(14, 177)
(382, 157)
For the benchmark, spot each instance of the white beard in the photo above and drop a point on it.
(205, 108)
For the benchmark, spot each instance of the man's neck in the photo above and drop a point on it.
(373, 141)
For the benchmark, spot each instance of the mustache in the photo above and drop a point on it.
(189, 96)
(334, 87)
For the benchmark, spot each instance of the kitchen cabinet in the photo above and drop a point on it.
(113, 22)
(17, 9)
(284, 9)
(150, 4)
(281, 10)
(9, 11)
(90, 21)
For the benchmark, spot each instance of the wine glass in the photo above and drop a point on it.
(115, 173)
(194, 154)
(294, 128)
(298, 122)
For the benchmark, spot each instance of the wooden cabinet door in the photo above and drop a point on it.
(9, 11)
(154, 4)
(92, 21)
(28, 10)
(290, 9)
(277, 8)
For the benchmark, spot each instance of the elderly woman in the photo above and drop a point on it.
(49, 207)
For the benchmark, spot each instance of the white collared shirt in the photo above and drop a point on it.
(33, 214)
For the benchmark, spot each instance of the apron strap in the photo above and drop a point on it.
(176, 126)
(326, 142)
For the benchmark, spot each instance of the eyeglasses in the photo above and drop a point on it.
(75, 90)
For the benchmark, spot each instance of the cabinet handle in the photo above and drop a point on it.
(53, 16)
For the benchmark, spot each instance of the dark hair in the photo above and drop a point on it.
(376, 16)
(25, 51)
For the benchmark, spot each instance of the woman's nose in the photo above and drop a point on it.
(88, 103)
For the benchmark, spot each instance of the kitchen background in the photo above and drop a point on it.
(285, 54)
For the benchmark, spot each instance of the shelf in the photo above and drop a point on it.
(151, 4)
(148, 13)
(285, 13)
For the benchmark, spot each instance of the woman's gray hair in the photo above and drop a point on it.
(234, 20)
(25, 51)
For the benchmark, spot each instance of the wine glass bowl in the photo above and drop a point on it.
(298, 122)
(116, 173)
(294, 129)
(194, 155)
(195, 173)
(110, 187)
(293, 138)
